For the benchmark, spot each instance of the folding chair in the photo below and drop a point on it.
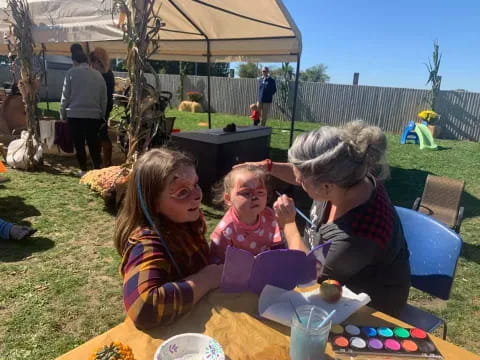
(434, 251)
(441, 199)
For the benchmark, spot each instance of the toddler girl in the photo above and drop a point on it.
(248, 223)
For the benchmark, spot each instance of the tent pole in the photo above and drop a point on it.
(295, 94)
(208, 84)
(45, 72)
(208, 54)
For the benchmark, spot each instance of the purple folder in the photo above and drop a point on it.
(281, 268)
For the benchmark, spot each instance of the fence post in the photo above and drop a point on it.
(355, 78)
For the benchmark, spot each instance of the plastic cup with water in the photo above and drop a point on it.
(309, 343)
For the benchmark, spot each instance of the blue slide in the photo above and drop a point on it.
(409, 134)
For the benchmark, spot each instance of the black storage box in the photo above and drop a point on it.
(217, 151)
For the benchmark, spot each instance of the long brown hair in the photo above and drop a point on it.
(152, 170)
(100, 56)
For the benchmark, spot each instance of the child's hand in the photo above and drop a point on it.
(284, 209)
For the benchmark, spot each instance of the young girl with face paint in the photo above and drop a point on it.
(248, 223)
(160, 234)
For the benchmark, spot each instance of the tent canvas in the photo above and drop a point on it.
(195, 30)
(237, 30)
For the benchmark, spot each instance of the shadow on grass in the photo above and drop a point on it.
(405, 185)
(471, 252)
(14, 209)
(11, 251)
(65, 165)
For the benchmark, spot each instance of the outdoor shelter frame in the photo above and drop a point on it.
(196, 30)
(208, 55)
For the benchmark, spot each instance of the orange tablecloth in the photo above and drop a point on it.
(231, 319)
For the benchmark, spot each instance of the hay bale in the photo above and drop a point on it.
(185, 106)
(196, 107)
(190, 106)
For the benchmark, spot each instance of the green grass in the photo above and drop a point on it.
(62, 287)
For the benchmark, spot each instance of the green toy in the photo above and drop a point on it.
(425, 137)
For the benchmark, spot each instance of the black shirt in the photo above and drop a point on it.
(368, 253)
(110, 82)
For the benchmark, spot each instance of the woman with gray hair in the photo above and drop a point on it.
(341, 170)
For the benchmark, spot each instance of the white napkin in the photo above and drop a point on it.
(274, 303)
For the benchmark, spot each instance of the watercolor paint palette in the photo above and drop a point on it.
(365, 342)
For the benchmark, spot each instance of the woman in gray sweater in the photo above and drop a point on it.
(83, 106)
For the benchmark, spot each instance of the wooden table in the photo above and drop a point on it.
(231, 319)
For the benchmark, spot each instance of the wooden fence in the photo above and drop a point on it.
(389, 108)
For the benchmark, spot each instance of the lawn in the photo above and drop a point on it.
(62, 287)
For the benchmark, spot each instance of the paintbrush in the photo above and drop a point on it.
(305, 217)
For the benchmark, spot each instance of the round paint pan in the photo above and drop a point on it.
(392, 345)
(369, 331)
(357, 343)
(337, 329)
(409, 346)
(385, 332)
(418, 334)
(426, 347)
(375, 344)
(352, 330)
(401, 333)
(341, 341)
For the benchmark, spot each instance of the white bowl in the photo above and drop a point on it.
(190, 346)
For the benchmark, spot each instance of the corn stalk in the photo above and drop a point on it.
(284, 89)
(22, 44)
(433, 78)
(141, 26)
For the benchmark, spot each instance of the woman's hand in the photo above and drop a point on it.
(259, 164)
(284, 209)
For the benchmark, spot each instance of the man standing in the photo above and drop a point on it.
(266, 89)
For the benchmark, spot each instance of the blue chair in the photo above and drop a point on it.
(434, 251)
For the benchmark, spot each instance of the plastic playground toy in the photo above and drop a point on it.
(419, 134)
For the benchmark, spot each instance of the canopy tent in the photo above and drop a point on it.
(195, 30)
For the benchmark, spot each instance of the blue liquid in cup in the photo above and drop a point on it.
(308, 344)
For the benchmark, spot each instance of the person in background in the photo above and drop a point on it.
(83, 105)
(266, 89)
(254, 114)
(100, 61)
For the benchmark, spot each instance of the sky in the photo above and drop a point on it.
(389, 41)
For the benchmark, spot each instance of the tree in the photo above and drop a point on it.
(284, 72)
(283, 77)
(173, 67)
(248, 70)
(317, 73)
